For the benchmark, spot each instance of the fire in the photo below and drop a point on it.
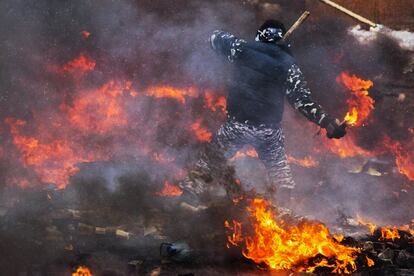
(54, 162)
(170, 190)
(79, 65)
(370, 262)
(99, 110)
(389, 234)
(346, 147)
(236, 237)
(404, 157)
(307, 162)
(290, 247)
(214, 102)
(371, 226)
(164, 91)
(245, 152)
(82, 271)
(360, 103)
(55, 141)
(201, 133)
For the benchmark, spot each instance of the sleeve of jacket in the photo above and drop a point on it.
(299, 96)
(227, 44)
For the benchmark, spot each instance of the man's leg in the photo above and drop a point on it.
(271, 151)
(212, 163)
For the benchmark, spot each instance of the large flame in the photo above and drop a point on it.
(360, 103)
(290, 247)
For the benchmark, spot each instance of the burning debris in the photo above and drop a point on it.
(303, 247)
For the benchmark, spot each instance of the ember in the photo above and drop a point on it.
(86, 34)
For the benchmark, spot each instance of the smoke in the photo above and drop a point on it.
(151, 43)
(146, 43)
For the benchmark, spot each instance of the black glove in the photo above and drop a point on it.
(334, 129)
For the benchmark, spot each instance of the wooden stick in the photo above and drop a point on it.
(350, 13)
(296, 25)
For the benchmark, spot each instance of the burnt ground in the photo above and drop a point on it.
(119, 231)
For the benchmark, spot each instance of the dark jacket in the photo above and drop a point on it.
(264, 73)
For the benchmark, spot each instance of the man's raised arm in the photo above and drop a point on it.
(226, 44)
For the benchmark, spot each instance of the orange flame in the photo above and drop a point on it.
(236, 237)
(170, 190)
(56, 140)
(79, 65)
(307, 162)
(245, 152)
(389, 234)
(370, 262)
(346, 147)
(201, 133)
(360, 103)
(214, 102)
(54, 162)
(282, 247)
(371, 226)
(404, 156)
(99, 110)
(82, 271)
(164, 91)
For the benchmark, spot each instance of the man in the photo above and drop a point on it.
(264, 74)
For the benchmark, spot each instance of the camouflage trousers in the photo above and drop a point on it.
(231, 137)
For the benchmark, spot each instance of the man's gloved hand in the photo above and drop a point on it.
(334, 129)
